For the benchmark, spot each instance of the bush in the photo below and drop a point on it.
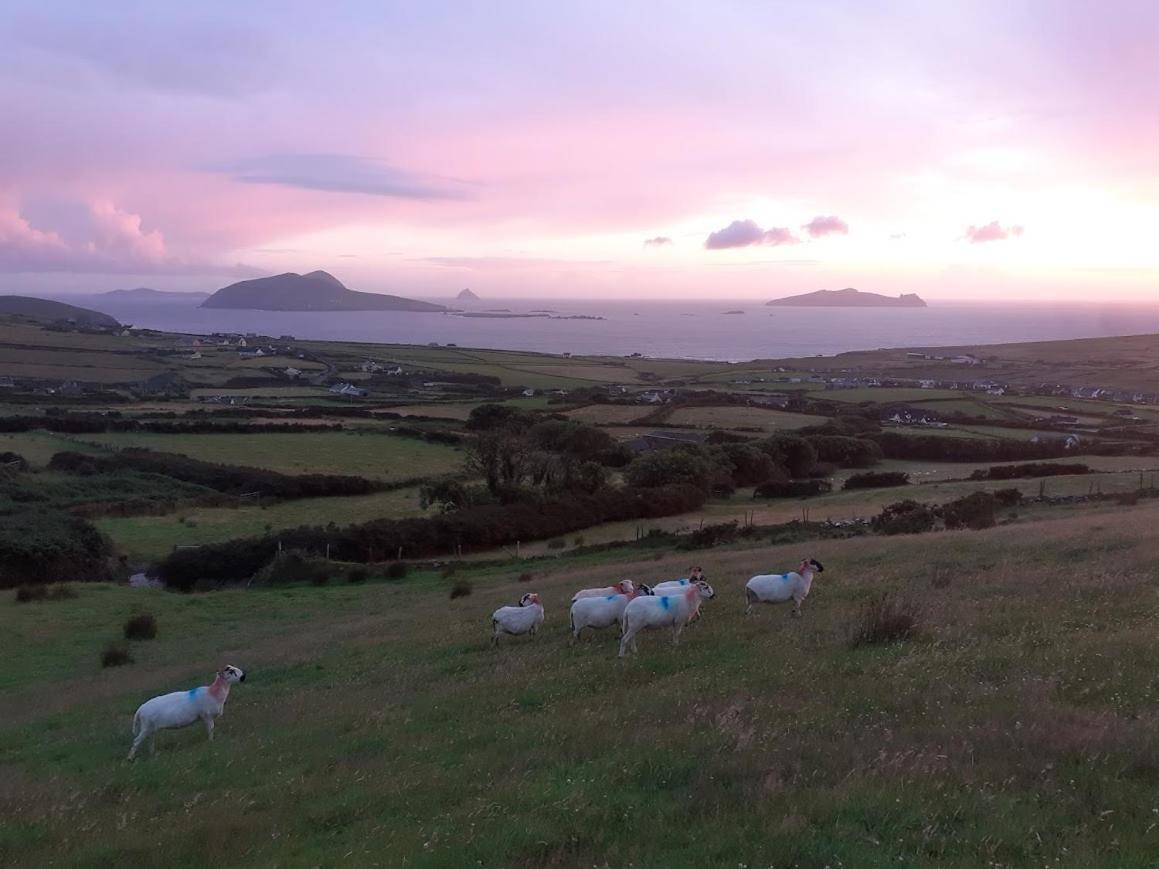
(792, 453)
(142, 626)
(877, 480)
(846, 452)
(115, 655)
(904, 517)
(292, 567)
(357, 575)
(39, 546)
(710, 535)
(1008, 497)
(29, 593)
(793, 489)
(525, 577)
(461, 588)
(895, 445)
(1029, 469)
(13, 462)
(885, 620)
(975, 511)
(674, 466)
(396, 570)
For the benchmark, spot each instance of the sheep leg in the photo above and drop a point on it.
(209, 727)
(153, 744)
(750, 599)
(676, 634)
(796, 607)
(629, 637)
(142, 735)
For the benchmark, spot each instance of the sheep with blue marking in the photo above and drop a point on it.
(663, 610)
(182, 708)
(782, 587)
(695, 575)
(624, 587)
(602, 612)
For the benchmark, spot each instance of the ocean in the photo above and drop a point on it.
(692, 330)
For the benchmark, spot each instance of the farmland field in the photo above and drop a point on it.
(146, 539)
(739, 416)
(601, 414)
(40, 446)
(1016, 728)
(366, 454)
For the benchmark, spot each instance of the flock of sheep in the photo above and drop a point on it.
(634, 608)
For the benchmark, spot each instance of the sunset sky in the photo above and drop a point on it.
(973, 150)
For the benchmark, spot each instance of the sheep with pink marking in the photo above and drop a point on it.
(182, 708)
(624, 587)
(517, 620)
(782, 587)
(602, 612)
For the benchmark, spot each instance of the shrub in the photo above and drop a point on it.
(1008, 497)
(396, 570)
(461, 588)
(904, 517)
(13, 462)
(791, 452)
(975, 511)
(142, 626)
(579, 540)
(885, 620)
(673, 466)
(357, 575)
(115, 655)
(29, 593)
(526, 577)
(793, 489)
(877, 480)
(710, 535)
(61, 592)
(1029, 469)
(846, 452)
(293, 566)
(39, 546)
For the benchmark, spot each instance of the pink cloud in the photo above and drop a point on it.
(992, 231)
(745, 233)
(113, 241)
(821, 226)
(658, 241)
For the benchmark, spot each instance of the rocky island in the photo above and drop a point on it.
(315, 291)
(849, 298)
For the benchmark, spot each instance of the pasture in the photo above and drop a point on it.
(146, 539)
(740, 416)
(366, 454)
(377, 727)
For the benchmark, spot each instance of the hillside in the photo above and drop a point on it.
(466, 295)
(849, 298)
(375, 719)
(314, 291)
(47, 311)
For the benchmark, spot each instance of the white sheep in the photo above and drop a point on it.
(523, 619)
(782, 587)
(695, 575)
(182, 708)
(665, 610)
(601, 612)
(625, 587)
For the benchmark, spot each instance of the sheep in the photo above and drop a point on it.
(523, 619)
(182, 708)
(782, 587)
(601, 612)
(657, 611)
(695, 574)
(625, 587)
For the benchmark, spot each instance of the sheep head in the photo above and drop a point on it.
(231, 674)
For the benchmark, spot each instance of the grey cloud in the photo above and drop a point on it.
(342, 173)
(743, 233)
(821, 226)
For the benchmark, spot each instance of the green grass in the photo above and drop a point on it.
(367, 454)
(743, 417)
(149, 538)
(38, 447)
(376, 726)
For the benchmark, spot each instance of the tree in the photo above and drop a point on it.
(667, 467)
(795, 454)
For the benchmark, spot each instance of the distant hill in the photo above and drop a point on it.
(46, 311)
(467, 296)
(315, 291)
(145, 294)
(849, 298)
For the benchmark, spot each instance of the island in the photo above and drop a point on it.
(849, 298)
(47, 312)
(314, 291)
(146, 294)
(465, 295)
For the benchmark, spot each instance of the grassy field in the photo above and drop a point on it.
(737, 416)
(40, 446)
(148, 538)
(367, 454)
(377, 727)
